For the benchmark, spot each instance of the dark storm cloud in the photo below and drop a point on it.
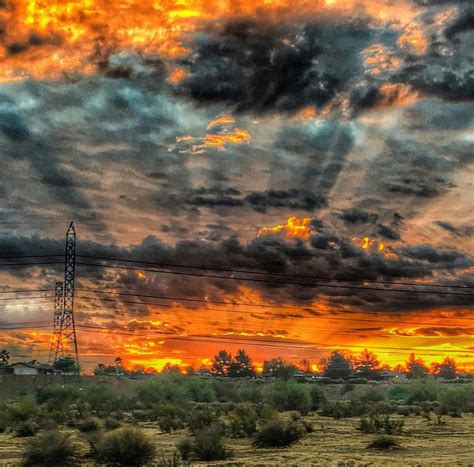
(338, 258)
(447, 68)
(356, 216)
(293, 199)
(259, 67)
(459, 231)
(260, 201)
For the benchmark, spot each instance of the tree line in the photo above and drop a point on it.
(338, 365)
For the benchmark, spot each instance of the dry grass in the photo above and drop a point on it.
(332, 442)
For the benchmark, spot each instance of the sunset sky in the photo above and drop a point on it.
(259, 141)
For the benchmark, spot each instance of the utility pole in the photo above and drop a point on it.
(66, 343)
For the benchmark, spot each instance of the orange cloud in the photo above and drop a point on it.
(294, 228)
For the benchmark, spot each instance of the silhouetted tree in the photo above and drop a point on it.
(105, 370)
(279, 368)
(337, 365)
(66, 365)
(221, 364)
(446, 369)
(170, 368)
(367, 364)
(415, 367)
(241, 365)
(305, 366)
(4, 357)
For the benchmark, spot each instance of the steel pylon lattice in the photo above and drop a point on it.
(56, 351)
(67, 342)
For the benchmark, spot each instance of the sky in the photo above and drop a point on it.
(264, 140)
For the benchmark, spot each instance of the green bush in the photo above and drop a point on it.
(170, 416)
(209, 444)
(201, 417)
(250, 392)
(343, 409)
(167, 387)
(200, 391)
(378, 422)
(125, 446)
(51, 448)
(457, 400)
(88, 425)
(111, 423)
(26, 428)
(416, 391)
(185, 448)
(288, 395)
(278, 432)
(243, 420)
(102, 398)
(23, 410)
(226, 390)
(318, 397)
(56, 396)
(370, 395)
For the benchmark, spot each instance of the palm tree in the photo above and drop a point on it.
(4, 357)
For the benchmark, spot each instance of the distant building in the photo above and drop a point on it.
(32, 368)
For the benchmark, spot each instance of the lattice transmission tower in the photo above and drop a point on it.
(66, 340)
(56, 342)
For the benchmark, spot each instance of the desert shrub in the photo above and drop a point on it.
(50, 448)
(288, 395)
(87, 425)
(226, 390)
(403, 410)
(383, 443)
(185, 448)
(318, 397)
(416, 391)
(26, 428)
(111, 423)
(250, 393)
(168, 387)
(278, 432)
(457, 400)
(125, 446)
(103, 398)
(200, 391)
(23, 410)
(170, 416)
(200, 417)
(209, 444)
(379, 422)
(348, 387)
(143, 415)
(3, 423)
(243, 420)
(370, 395)
(423, 391)
(56, 396)
(168, 461)
(343, 409)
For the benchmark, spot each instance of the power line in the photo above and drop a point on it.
(298, 276)
(49, 263)
(30, 256)
(212, 276)
(25, 291)
(256, 305)
(263, 342)
(269, 315)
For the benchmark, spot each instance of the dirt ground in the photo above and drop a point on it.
(333, 442)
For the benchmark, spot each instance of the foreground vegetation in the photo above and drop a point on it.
(110, 425)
